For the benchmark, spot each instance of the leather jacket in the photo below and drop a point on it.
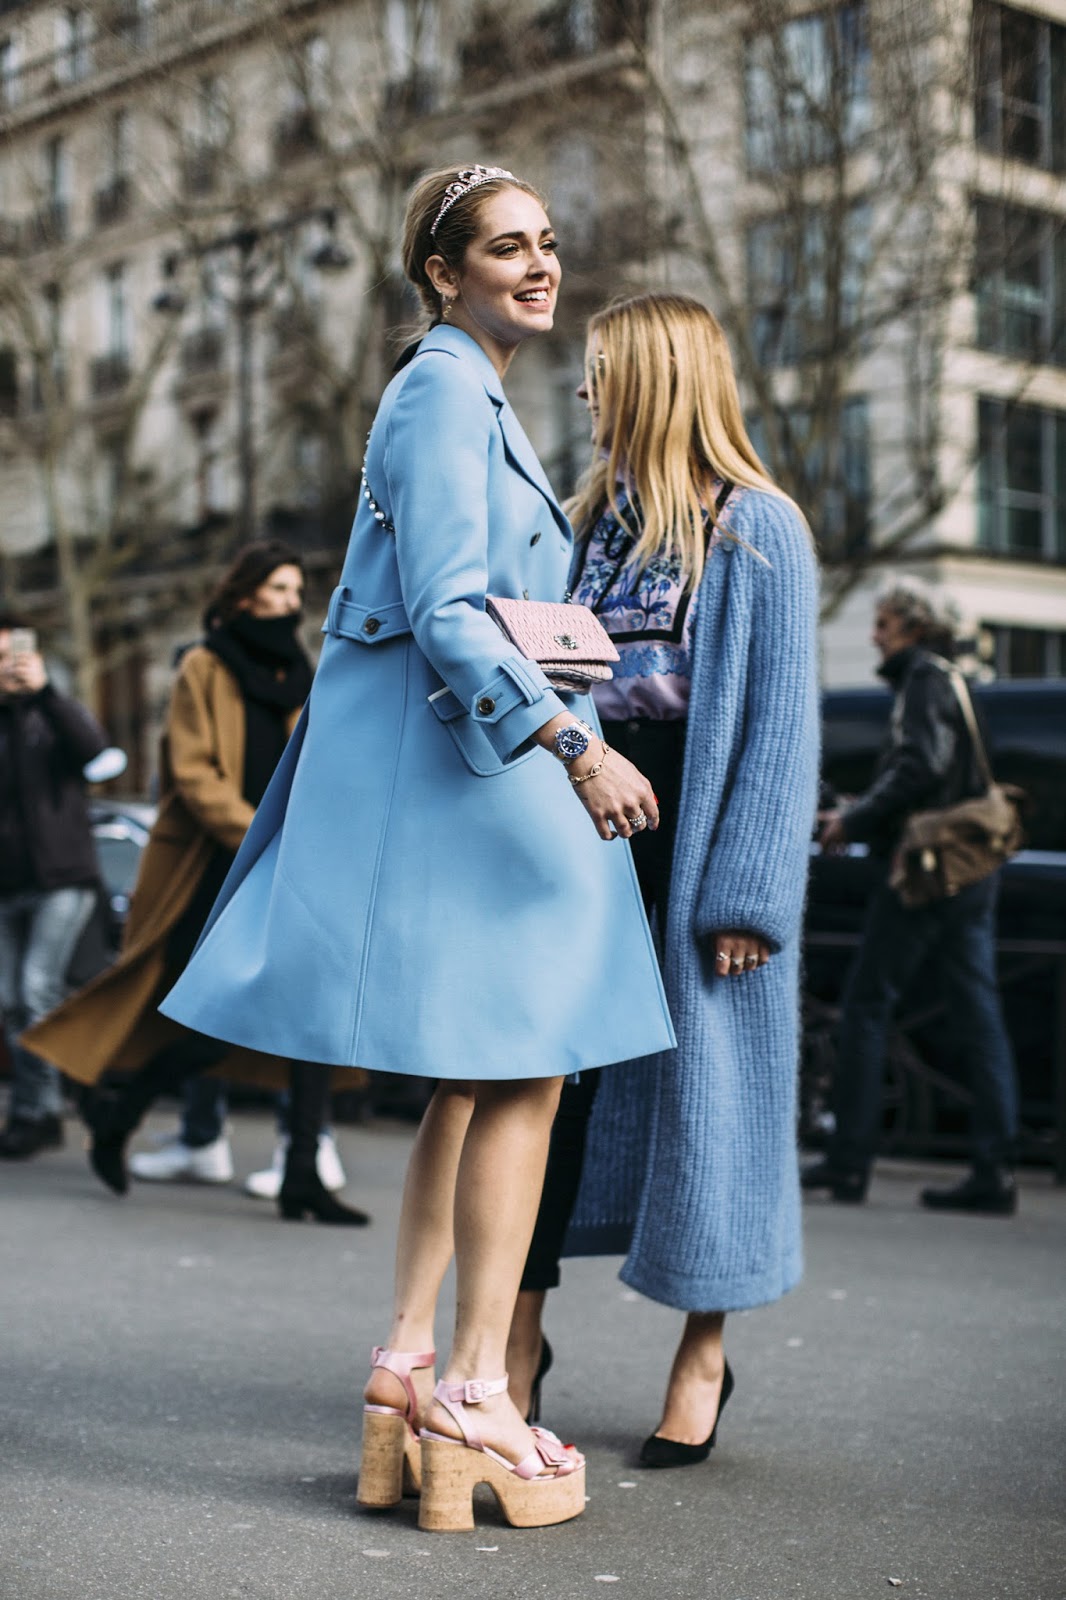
(929, 760)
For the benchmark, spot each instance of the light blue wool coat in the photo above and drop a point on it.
(691, 1168)
(420, 890)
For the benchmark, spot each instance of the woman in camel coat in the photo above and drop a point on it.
(235, 701)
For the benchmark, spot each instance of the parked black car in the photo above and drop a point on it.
(926, 1103)
(120, 832)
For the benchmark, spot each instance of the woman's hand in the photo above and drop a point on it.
(737, 953)
(618, 797)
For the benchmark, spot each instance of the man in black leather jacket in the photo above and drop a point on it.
(47, 871)
(928, 762)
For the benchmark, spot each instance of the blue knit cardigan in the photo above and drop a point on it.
(691, 1163)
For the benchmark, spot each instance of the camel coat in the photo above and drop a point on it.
(113, 1024)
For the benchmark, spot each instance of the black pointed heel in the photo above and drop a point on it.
(543, 1368)
(307, 1196)
(657, 1452)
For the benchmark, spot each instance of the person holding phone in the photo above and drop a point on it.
(48, 870)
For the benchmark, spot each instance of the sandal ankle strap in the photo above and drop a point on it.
(455, 1397)
(472, 1392)
(401, 1363)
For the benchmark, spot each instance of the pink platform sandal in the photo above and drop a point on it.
(546, 1486)
(391, 1466)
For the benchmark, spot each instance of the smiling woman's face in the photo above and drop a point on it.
(509, 280)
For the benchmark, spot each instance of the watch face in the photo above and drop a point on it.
(571, 742)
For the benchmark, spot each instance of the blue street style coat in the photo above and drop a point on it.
(421, 891)
(691, 1169)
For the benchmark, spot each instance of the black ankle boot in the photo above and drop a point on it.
(303, 1194)
(110, 1119)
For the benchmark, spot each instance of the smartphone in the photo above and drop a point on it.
(23, 642)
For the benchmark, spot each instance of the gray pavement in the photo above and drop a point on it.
(180, 1371)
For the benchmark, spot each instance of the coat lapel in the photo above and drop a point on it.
(519, 450)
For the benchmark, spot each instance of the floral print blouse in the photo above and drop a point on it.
(649, 616)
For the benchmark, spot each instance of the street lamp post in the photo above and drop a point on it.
(255, 279)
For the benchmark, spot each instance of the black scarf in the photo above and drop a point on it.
(265, 656)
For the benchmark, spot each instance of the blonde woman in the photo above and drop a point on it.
(703, 573)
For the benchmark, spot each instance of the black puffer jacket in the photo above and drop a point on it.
(45, 841)
(929, 760)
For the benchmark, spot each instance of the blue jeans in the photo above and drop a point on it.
(39, 930)
(204, 1108)
(959, 933)
(203, 1114)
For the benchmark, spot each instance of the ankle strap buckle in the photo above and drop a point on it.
(474, 1390)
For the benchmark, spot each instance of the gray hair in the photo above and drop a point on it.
(918, 606)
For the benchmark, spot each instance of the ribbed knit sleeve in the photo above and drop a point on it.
(756, 873)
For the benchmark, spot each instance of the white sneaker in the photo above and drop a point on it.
(175, 1161)
(328, 1162)
(266, 1184)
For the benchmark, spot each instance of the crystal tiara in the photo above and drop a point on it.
(469, 178)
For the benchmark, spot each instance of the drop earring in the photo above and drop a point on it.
(445, 307)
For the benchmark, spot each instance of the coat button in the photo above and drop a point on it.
(486, 706)
(536, 537)
(371, 625)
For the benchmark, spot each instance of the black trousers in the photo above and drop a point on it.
(658, 749)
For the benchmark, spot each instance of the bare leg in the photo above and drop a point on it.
(695, 1380)
(425, 1241)
(524, 1344)
(499, 1181)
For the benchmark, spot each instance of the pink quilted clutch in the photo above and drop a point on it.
(568, 643)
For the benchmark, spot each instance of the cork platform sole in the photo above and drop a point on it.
(391, 1465)
(452, 1471)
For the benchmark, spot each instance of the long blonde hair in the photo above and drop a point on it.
(668, 422)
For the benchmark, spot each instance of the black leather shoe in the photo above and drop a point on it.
(843, 1183)
(991, 1194)
(23, 1137)
(658, 1452)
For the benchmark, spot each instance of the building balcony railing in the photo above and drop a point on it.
(296, 135)
(126, 34)
(108, 375)
(48, 227)
(34, 399)
(111, 204)
(201, 170)
(564, 32)
(202, 352)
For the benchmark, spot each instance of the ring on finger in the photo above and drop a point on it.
(736, 963)
(751, 960)
(638, 822)
(721, 956)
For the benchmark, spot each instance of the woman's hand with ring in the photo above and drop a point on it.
(619, 799)
(736, 953)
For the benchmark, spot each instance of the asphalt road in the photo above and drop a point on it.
(180, 1372)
